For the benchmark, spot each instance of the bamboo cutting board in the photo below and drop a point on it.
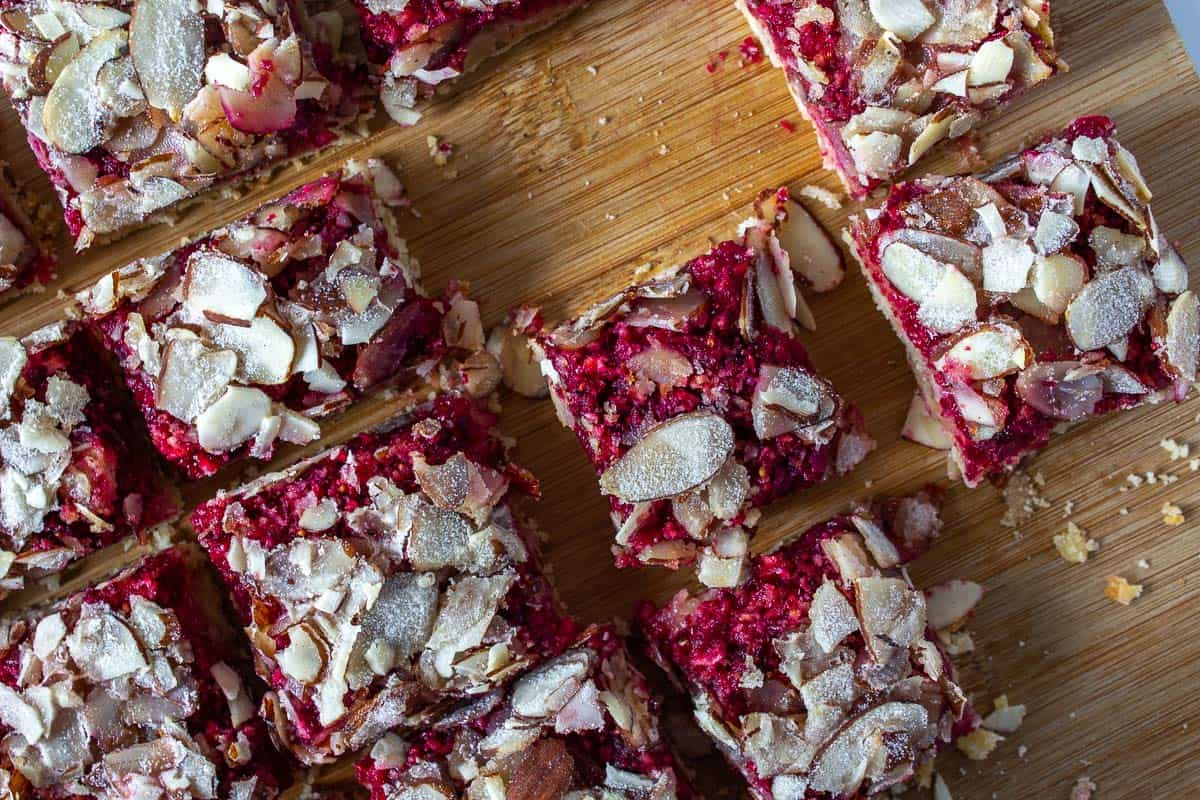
(606, 144)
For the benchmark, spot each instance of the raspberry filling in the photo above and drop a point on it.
(613, 404)
(1025, 428)
(120, 487)
(31, 265)
(271, 516)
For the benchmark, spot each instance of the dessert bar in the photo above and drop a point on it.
(25, 260)
(245, 337)
(818, 677)
(385, 579)
(583, 724)
(697, 403)
(133, 107)
(425, 44)
(74, 476)
(130, 690)
(1039, 294)
(884, 81)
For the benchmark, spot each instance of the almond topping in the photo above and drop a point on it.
(671, 458)
(166, 41)
(810, 250)
(1107, 308)
(950, 603)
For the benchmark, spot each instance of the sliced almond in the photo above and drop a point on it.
(876, 154)
(216, 284)
(1056, 279)
(233, 419)
(1112, 197)
(191, 377)
(914, 274)
(1060, 390)
(908, 19)
(265, 350)
(673, 457)
(831, 616)
(1182, 341)
(1127, 166)
(1170, 273)
(921, 427)
(992, 63)
(946, 249)
(1116, 249)
(810, 250)
(166, 41)
(936, 128)
(891, 614)
(1054, 232)
(955, 84)
(73, 115)
(952, 304)
(989, 351)
(1073, 180)
(224, 70)
(1107, 308)
(50, 61)
(948, 604)
(519, 366)
(861, 749)
(1006, 265)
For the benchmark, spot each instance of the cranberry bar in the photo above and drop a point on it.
(133, 107)
(1039, 295)
(884, 81)
(386, 578)
(25, 260)
(697, 403)
(243, 338)
(128, 690)
(818, 676)
(424, 44)
(73, 473)
(581, 725)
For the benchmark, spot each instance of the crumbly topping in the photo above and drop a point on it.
(1174, 449)
(1074, 545)
(1083, 788)
(978, 744)
(1172, 515)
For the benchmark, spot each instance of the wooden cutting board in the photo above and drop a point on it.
(608, 143)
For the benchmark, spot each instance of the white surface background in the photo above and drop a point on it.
(1187, 18)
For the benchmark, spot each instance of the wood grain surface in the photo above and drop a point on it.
(605, 144)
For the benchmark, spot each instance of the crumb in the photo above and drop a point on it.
(592, 70)
(1068, 508)
(1124, 512)
(602, 121)
(663, 149)
(1083, 789)
(1074, 545)
(439, 151)
(1134, 480)
(1174, 449)
(1004, 718)
(787, 125)
(1172, 515)
(1023, 498)
(1143, 564)
(751, 50)
(957, 643)
(1021, 751)
(1122, 591)
(868, 483)
(821, 195)
(978, 744)
(1194, 465)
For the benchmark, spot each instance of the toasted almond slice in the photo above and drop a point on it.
(1108, 308)
(224, 286)
(73, 114)
(876, 154)
(224, 70)
(936, 128)
(1056, 279)
(1127, 166)
(166, 41)
(948, 250)
(992, 63)
(519, 367)
(673, 457)
(1006, 265)
(233, 419)
(921, 427)
(1115, 249)
(964, 26)
(1170, 273)
(955, 84)
(877, 72)
(841, 766)
(811, 251)
(891, 613)
(1054, 232)
(1112, 197)
(48, 64)
(191, 377)
(951, 305)
(908, 19)
(1182, 341)
(1073, 180)
(950, 603)
(265, 350)
(771, 298)
(988, 351)
(914, 273)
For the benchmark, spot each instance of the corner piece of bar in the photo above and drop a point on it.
(246, 336)
(129, 689)
(582, 725)
(884, 82)
(818, 676)
(1039, 294)
(386, 579)
(697, 404)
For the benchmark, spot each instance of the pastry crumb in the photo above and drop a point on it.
(1122, 591)
(1143, 564)
(1172, 515)
(978, 744)
(1073, 545)
(592, 69)
(1004, 718)
(1174, 449)
(957, 643)
(439, 150)
(1083, 789)
(1023, 498)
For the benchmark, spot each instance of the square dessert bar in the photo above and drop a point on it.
(133, 107)
(884, 81)
(818, 676)
(26, 261)
(424, 44)
(243, 338)
(1039, 295)
(130, 689)
(697, 403)
(74, 476)
(583, 724)
(385, 579)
